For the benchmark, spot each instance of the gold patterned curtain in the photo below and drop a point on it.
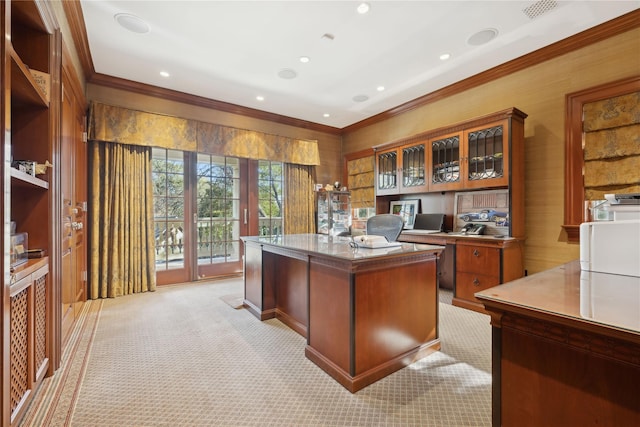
(612, 146)
(122, 244)
(299, 212)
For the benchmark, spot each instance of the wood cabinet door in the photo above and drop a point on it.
(73, 164)
(478, 259)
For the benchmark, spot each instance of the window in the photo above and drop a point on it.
(168, 174)
(270, 195)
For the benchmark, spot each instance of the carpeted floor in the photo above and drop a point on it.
(185, 356)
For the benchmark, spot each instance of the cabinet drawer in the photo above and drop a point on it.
(468, 284)
(478, 259)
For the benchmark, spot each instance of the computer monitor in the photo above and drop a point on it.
(429, 222)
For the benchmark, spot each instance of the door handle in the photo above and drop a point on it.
(245, 217)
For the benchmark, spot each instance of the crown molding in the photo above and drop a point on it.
(75, 18)
(604, 31)
(199, 101)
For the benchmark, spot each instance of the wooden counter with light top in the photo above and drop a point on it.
(566, 349)
(365, 312)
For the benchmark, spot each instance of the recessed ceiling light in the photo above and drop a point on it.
(363, 8)
(326, 115)
(132, 23)
(360, 98)
(287, 73)
(445, 56)
(164, 74)
(482, 37)
(304, 59)
(260, 98)
(380, 88)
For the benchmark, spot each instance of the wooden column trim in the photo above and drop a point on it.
(574, 158)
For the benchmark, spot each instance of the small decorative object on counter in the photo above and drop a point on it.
(18, 249)
(35, 253)
(26, 166)
(336, 185)
(41, 168)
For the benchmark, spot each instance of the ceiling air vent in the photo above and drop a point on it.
(540, 8)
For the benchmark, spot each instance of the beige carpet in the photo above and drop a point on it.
(182, 356)
(234, 300)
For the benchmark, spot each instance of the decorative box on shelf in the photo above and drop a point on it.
(26, 166)
(19, 249)
(43, 80)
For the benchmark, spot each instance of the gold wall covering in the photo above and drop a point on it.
(612, 146)
(122, 125)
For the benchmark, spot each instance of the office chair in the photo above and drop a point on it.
(387, 225)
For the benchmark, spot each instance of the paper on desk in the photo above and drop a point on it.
(374, 242)
(419, 231)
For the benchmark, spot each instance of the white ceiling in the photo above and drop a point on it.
(233, 51)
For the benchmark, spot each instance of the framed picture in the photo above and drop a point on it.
(407, 209)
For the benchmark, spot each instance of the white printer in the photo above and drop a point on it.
(613, 246)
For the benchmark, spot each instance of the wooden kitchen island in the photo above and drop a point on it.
(566, 349)
(366, 313)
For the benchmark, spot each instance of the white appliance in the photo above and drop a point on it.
(611, 247)
(624, 206)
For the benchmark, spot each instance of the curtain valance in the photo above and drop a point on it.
(122, 125)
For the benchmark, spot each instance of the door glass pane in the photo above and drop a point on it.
(270, 195)
(168, 205)
(218, 209)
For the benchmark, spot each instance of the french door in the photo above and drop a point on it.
(203, 204)
(220, 215)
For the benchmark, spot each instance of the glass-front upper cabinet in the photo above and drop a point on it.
(387, 172)
(402, 170)
(475, 158)
(486, 157)
(413, 170)
(445, 162)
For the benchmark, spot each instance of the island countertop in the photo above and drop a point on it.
(338, 246)
(565, 349)
(600, 299)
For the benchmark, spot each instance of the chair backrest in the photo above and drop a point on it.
(387, 225)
